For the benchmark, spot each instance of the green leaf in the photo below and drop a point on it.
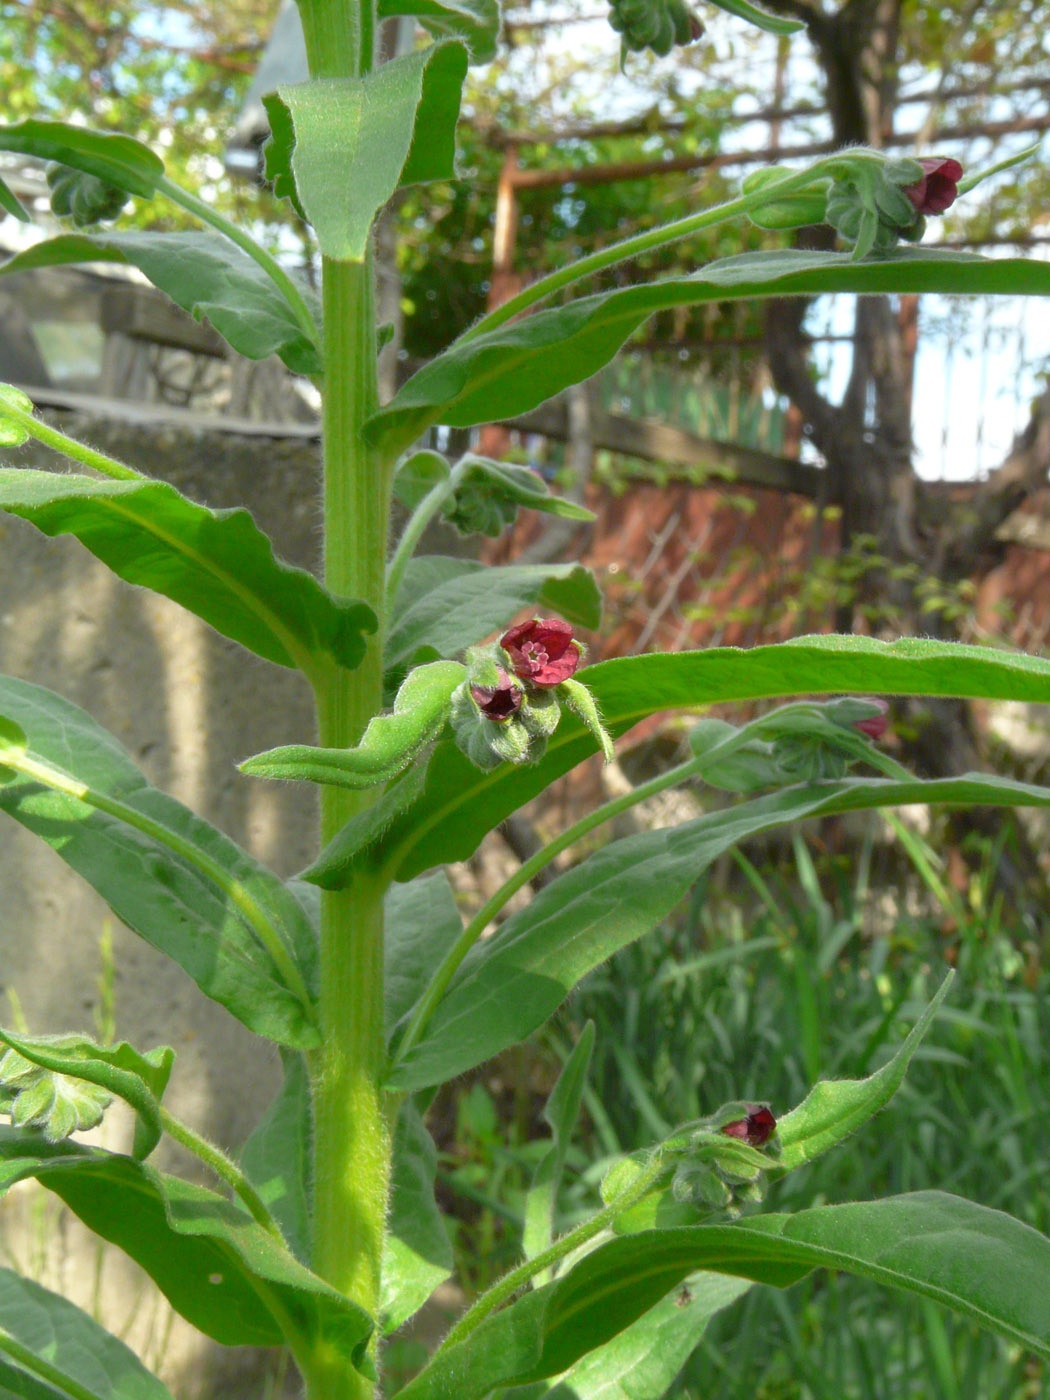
(980, 1262)
(119, 160)
(171, 877)
(70, 1344)
(421, 924)
(220, 1270)
(277, 1158)
(205, 275)
(417, 1253)
(474, 22)
(459, 804)
(835, 1108)
(10, 204)
(13, 433)
(16, 1384)
(512, 982)
(510, 370)
(140, 1080)
(357, 140)
(355, 840)
(448, 604)
(389, 744)
(488, 495)
(761, 19)
(643, 1360)
(216, 563)
(560, 1111)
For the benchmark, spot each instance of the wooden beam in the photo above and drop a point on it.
(676, 447)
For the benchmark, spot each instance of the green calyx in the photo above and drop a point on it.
(54, 1104)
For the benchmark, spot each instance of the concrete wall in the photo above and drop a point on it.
(186, 704)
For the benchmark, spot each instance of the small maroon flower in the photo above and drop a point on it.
(756, 1129)
(875, 725)
(499, 702)
(542, 651)
(939, 186)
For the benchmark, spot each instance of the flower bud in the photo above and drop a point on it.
(938, 188)
(756, 1129)
(498, 702)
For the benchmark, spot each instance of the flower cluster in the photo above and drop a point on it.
(510, 704)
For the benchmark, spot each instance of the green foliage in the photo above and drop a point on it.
(81, 1357)
(346, 144)
(217, 564)
(214, 1264)
(389, 744)
(168, 874)
(74, 1079)
(507, 371)
(204, 276)
(336, 1236)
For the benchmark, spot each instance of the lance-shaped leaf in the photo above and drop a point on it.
(978, 1261)
(140, 1080)
(356, 140)
(205, 275)
(277, 1157)
(474, 22)
(761, 19)
(448, 604)
(389, 744)
(216, 563)
(511, 983)
(417, 1253)
(643, 1360)
(165, 872)
(219, 1269)
(459, 804)
(70, 1351)
(116, 159)
(560, 1111)
(421, 923)
(10, 204)
(834, 1108)
(510, 370)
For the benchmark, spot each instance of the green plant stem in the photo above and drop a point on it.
(67, 446)
(481, 920)
(412, 533)
(643, 242)
(352, 1140)
(258, 254)
(224, 1167)
(510, 1283)
(35, 1364)
(242, 899)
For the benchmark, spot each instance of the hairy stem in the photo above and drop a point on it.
(224, 1167)
(643, 242)
(67, 446)
(480, 922)
(510, 1283)
(351, 1129)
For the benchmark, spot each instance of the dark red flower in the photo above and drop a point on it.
(756, 1129)
(875, 725)
(499, 702)
(542, 651)
(939, 186)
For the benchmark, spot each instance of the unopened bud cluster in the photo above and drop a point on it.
(654, 24)
(510, 703)
(871, 200)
